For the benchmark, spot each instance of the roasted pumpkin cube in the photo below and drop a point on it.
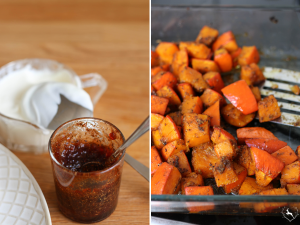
(224, 173)
(158, 69)
(234, 55)
(263, 207)
(250, 187)
(166, 180)
(262, 179)
(256, 93)
(185, 90)
(199, 190)
(207, 35)
(155, 160)
(173, 148)
(193, 77)
(293, 189)
(162, 79)
(268, 109)
(245, 159)
(253, 132)
(159, 105)
(223, 59)
(155, 120)
(227, 41)
(214, 80)
(157, 139)
(170, 94)
(192, 105)
(248, 55)
(166, 51)
(286, 155)
(235, 117)
(180, 161)
(219, 135)
(154, 59)
(195, 129)
(192, 179)
(180, 60)
(204, 159)
(209, 97)
(225, 149)
(214, 113)
(204, 65)
(195, 50)
(176, 117)
(252, 74)
(241, 173)
(268, 145)
(291, 174)
(168, 130)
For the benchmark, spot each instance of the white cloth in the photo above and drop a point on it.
(40, 103)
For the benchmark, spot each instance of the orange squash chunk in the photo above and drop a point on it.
(162, 79)
(252, 74)
(227, 41)
(159, 105)
(293, 189)
(286, 155)
(157, 69)
(214, 80)
(207, 35)
(204, 65)
(155, 160)
(191, 179)
(250, 187)
(195, 50)
(170, 94)
(195, 207)
(166, 51)
(225, 149)
(241, 173)
(235, 117)
(291, 174)
(155, 120)
(192, 105)
(185, 90)
(224, 173)
(262, 179)
(173, 148)
(223, 59)
(180, 60)
(176, 117)
(253, 132)
(214, 113)
(268, 109)
(245, 159)
(204, 159)
(180, 161)
(154, 59)
(268, 206)
(248, 55)
(166, 180)
(195, 129)
(269, 145)
(168, 130)
(235, 54)
(157, 139)
(196, 190)
(210, 97)
(193, 77)
(219, 135)
(256, 93)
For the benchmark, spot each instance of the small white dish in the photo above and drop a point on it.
(21, 199)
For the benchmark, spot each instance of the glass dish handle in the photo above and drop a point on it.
(94, 84)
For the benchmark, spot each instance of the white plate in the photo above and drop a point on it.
(21, 199)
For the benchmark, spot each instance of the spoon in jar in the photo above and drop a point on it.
(139, 167)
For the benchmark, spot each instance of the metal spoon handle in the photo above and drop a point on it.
(143, 128)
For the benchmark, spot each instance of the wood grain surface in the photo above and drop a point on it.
(108, 37)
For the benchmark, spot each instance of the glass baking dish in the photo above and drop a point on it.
(275, 31)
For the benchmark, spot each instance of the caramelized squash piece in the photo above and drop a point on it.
(241, 173)
(250, 187)
(195, 207)
(195, 50)
(214, 113)
(185, 90)
(235, 55)
(168, 130)
(291, 174)
(170, 94)
(180, 60)
(193, 77)
(226, 149)
(158, 105)
(176, 117)
(248, 55)
(191, 179)
(245, 159)
(180, 161)
(155, 120)
(227, 41)
(204, 65)
(192, 105)
(219, 135)
(166, 180)
(173, 148)
(253, 132)
(256, 93)
(235, 117)
(293, 189)
(268, 109)
(162, 79)
(195, 129)
(214, 80)
(209, 97)
(269, 145)
(157, 139)
(207, 35)
(155, 160)
(204, 159)
(223, 59)
(286, 155)
(252, 74)
(166, 51)
(154, 59)
(224, 173)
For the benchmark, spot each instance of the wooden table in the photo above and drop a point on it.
(108, 37)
